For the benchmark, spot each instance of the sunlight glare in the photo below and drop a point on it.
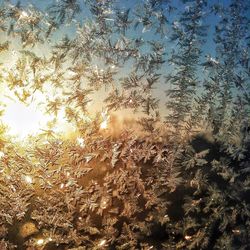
(23, 120)
(105, 117)
(104, 124)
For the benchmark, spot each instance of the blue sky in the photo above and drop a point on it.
(209, 19)
(208, 47)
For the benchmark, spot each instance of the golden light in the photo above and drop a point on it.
(23, 15)
(105, 117)
(28, 179)
(23, 120)
(236, 231)
(1, 154)
(40, 242)
(102, 243)
(188, 237)
(104, 124)
(104, 205)
(81, 142)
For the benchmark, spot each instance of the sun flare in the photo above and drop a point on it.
(23, 120)
(32, 118)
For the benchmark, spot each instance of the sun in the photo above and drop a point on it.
(23, 120)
